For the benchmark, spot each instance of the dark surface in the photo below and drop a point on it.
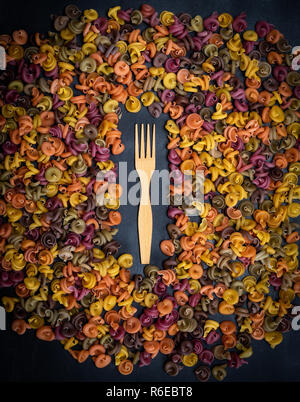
(25, 358)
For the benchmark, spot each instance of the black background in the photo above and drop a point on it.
(25, 358)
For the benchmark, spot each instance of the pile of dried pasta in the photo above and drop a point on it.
(232, 100)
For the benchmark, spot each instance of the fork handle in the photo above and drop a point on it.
(145, 225)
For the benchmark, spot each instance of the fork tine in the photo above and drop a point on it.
(153, 142)
(136, 147)
(148, 152)
(142, 142)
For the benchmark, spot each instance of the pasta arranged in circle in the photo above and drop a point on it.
(232, 100)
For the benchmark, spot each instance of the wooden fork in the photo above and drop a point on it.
(145, 165)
